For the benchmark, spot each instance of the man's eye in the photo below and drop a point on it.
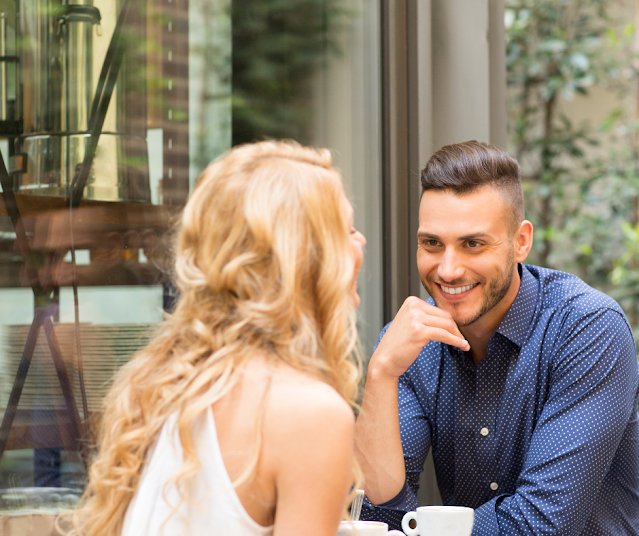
(473, 244)
(431, 243)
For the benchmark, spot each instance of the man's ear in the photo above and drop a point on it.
(523, 240)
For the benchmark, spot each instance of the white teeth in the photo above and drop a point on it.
(456, 290)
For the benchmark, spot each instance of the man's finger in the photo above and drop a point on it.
(445, 323)
(435, 311)
(418, 303)
(444, 336)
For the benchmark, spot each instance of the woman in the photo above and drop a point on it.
(236, 419)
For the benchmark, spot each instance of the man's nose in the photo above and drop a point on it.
(450, 267)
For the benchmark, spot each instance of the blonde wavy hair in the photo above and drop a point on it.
(264, 265)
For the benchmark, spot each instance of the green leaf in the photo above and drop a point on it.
(631, 232)
(610, 121)
(549, 233)
(628, 30)
(585, 249)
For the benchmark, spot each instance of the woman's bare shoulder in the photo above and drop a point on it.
(298, 395)
(294, 401)
(306, 420)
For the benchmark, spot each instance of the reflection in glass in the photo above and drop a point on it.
(113, 107)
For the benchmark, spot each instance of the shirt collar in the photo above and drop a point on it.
(515, 324)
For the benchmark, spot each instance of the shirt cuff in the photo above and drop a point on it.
(485, 521)
(391, 512)
(405, 500)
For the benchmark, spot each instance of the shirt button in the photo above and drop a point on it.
(494, 486)
(484, 431)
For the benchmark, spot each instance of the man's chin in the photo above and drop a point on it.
(465, 321)
(461, 317)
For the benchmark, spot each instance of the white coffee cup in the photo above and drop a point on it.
(440, 521)
(366, 528)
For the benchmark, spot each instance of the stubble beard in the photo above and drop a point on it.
(496, 290)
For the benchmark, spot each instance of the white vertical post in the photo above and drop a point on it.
(469, 76)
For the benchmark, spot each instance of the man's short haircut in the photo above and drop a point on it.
(462, 168)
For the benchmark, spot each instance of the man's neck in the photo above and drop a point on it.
(479, 333)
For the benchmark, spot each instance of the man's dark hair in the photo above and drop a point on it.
(464, 167)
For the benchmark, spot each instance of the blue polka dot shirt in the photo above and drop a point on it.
(542, 436)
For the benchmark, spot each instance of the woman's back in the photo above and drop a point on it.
(289, 404)
(266, 265)
(213, 506)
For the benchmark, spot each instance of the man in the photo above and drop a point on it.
(522, 380)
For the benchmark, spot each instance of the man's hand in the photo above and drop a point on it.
(378, 442)
(415, 325)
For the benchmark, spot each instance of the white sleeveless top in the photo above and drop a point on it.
(212, 507)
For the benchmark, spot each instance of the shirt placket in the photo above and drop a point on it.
(468, 477)
(479, 391)
(484, 423)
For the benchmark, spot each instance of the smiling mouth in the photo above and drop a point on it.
(457, 290)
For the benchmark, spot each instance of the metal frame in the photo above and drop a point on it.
(42, 318)
(406, 142)
(43, 313)
(395, 209)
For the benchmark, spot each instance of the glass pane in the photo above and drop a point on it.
(109, 110)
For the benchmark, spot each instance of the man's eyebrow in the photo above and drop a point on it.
(474, 236)
(430, 236)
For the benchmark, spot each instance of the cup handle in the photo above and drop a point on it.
(408, 517)
(395, 533)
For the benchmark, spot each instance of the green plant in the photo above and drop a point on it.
(557, 49)
(278, 46)
(583, 200)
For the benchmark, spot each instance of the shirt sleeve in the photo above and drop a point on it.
(591, 397)
(416, 440)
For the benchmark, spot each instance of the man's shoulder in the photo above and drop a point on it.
(569, 304)
(563, 291)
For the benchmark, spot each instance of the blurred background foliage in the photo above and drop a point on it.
(581, 178)
(278, 47)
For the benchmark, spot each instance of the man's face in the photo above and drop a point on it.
(466, 252)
